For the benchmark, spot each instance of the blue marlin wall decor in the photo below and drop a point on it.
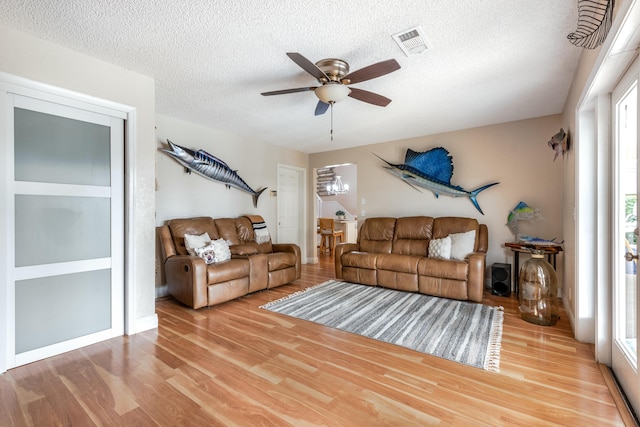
(432, 170)
(210, 167)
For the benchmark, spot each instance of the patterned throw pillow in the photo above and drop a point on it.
(440, 248)
(462, 244)
(207, 253)
(192, 241)
(221, 248)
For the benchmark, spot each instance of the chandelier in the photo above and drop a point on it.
(337, 187)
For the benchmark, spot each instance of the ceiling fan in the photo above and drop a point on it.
(333, 75)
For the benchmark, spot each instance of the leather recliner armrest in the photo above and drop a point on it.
(285, 247)
(187, 280)
(483, 238)
(166, 242)
(343, 248)
(475, 282)
(295, 249)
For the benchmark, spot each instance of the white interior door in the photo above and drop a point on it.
(65, 222)
(625, 261)
(291, 185)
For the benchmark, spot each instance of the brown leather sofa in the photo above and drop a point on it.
(252, 267)
(393, 253)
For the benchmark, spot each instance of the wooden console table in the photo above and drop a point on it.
(549, 250)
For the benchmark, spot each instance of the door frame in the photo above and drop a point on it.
(302, 204)
(25, 87)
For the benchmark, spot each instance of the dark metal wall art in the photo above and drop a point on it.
(594, 22)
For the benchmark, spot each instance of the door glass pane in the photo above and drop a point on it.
(54, 309)
(59, 150)
(627, 133)
(51, 229)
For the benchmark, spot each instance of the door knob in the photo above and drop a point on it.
(630, 257)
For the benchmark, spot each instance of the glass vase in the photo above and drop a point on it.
(538, 291)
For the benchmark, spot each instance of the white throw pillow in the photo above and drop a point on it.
(221, 248)
(462, 244)
(192, 241)
(440, 248)
(207, 253)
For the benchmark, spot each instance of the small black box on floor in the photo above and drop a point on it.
(501, 279)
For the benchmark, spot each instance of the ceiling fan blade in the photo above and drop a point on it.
(307, 65)
(321, 108)
(370, 97)
(372, 71)
(283, 91)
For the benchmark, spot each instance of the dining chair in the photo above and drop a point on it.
(329, 235)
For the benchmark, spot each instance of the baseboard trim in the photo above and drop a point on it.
(147, 323)
(626, 412)
(162, 291)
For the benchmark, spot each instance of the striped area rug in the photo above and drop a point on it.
(464, 332)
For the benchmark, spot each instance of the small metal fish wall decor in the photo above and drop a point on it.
(211, 167)
(432, 170)
(559, 143)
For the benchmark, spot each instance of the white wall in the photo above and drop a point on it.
(35, 59)
(516, 154)
(180, 195)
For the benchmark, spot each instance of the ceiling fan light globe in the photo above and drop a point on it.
(330, 93)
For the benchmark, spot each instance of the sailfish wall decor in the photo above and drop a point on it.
(432, 170)
(211, 167)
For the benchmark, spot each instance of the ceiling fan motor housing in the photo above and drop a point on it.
(335, 69)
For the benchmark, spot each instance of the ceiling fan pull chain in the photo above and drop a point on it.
(331, 105)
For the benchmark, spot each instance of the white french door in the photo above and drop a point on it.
(64, 215)
(625, 294)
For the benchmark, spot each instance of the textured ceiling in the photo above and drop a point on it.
(491, 61)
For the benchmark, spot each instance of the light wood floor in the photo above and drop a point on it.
(238, 365)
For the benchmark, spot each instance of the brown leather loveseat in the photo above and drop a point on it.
(252, 266)
(394, 253)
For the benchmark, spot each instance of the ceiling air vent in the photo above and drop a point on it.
(412, 41)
